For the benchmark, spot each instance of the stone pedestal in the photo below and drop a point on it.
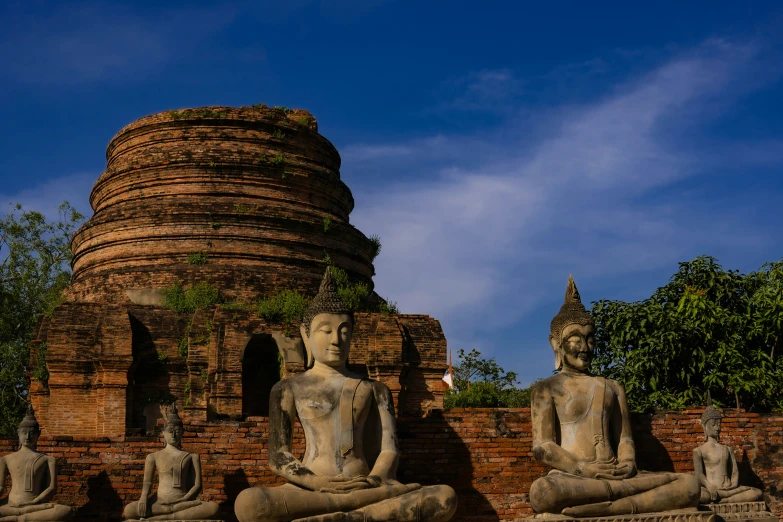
(680, 515)
(741, 511)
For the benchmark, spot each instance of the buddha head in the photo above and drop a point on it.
(29, 430)
(572, 333)
(172, 426)
(327, 326)
(711, 419)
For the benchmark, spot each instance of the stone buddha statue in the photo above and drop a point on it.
(581, 428)
(350, 460)
(716, 467)
(33, 479)
(179, 480)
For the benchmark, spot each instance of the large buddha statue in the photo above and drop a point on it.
(179, 480)
(581, 428)
(33, 479)
(350, 461)
(716, 466)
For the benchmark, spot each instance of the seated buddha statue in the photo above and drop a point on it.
(716, 466)
(33, 479)
(349, 465)
(179, 480)
(581, 428)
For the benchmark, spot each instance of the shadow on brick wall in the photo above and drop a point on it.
(748, 477)
(233, 484)
(434, 453)
(103, 502)
(655, 456)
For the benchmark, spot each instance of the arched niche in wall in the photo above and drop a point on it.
(263, 363)
(148, 382)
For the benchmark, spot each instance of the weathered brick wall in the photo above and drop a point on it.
(485, 454)
(108, 363)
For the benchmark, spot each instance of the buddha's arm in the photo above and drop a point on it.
(698, 468)
(386, 464)
(626, 451)
(734, 469)
(196, 489)
(282, 412)
(51, 488)
(149, 474)
(545, 447)
(3, 473)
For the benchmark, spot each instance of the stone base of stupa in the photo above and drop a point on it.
(678, 515)
(742, 511)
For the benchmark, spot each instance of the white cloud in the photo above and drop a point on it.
(47, 196)
(480, 245)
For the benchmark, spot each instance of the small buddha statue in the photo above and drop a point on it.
(33, 479)
(581, 428)
(179, 480)
(716, 467)
(350, 460)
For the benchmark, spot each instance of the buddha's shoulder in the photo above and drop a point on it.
(307, 379)
(546, 385)
(615, 386)
(26, 456)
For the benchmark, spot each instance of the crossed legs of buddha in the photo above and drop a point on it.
(645, 493)
(35, 512)
(188, 510)
(402, 503)
(738, 494)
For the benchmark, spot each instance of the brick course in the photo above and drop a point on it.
(485, 454)
(205, 180)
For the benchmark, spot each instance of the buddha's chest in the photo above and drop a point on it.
(334, 402)
(26, 470)
(578, 399)
(172, 466)
(715, 455)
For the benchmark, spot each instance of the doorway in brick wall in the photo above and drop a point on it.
(261, 369)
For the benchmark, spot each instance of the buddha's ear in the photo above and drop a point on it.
(306, 342)
(558, 354)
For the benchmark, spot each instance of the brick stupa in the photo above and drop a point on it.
(250, 201)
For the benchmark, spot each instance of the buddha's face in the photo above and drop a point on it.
(28, 437)
(330, 338)
(712, 428)
(172, 434)
(577, 345)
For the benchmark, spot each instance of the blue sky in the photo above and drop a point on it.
(495, 147)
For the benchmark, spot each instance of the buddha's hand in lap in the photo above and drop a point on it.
(172, 502)
(609, 470)
(343, 485)
(340, 485)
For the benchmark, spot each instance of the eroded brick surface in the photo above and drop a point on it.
(256, 190)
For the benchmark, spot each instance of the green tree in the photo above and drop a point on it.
(35, 260)
(482, 383)
(708, 329)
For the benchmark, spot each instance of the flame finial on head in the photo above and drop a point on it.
(327, 301)
(711, 412)
(571, 312)
(170, 415)
(29, 420)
